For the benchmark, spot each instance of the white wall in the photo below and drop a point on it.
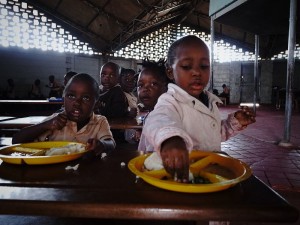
(24, 66)
(230, 74)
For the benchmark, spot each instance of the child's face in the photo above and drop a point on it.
(79, 101)
(128, 82)
(149, 89)
(109, 76)
(191, 68)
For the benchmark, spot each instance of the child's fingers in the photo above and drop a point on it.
(63, 115)
(252, 119)
(178, 168)
(182, 174)
(89, 144)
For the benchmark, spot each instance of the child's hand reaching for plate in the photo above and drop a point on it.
(95, 146)
(175, 159)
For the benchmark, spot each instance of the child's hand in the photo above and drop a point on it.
(245, 116)
(95, 146)
(58, 122)
(175, 159)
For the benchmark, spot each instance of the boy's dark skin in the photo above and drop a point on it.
(109, 75)
(80, 97)
(150, 87)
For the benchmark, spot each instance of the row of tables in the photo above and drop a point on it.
(9, 122)
(20, 108)
(11, 125)
(19, 123)
(104, 190)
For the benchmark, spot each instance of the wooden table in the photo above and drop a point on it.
(124, 123)
(2, 118)
(116, 123)
(19, 123)
(103, 189)
(20, 108)
(32, 102)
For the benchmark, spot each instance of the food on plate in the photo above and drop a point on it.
(64, 150)
(202, 171)
(154, 167)
(153, 162)
(21, 151)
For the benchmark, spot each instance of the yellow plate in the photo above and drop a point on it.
(202, 164)
(39, 160)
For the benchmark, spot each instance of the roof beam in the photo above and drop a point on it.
(148, 19)
(102, 9)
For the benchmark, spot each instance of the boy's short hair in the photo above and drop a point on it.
(114, 65)
(84, 77)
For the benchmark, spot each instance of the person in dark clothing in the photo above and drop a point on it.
(225, 93)
(112, 102)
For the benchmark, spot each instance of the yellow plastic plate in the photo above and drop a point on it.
(222, 171)
(39, 160)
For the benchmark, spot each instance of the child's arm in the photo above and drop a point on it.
(28, 134)
(236, 122)
(245, 116)
(175, 158)
(100, 146)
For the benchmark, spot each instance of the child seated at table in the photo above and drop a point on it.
(112, 102)
(225, 93)
(186, 117)
(128, 85)
(152, 82)
(77, 123)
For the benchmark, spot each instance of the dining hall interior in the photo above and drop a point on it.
(255, 54)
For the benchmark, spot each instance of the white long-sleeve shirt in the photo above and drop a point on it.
(179, 114)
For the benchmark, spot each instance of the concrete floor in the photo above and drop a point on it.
(278, 167)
